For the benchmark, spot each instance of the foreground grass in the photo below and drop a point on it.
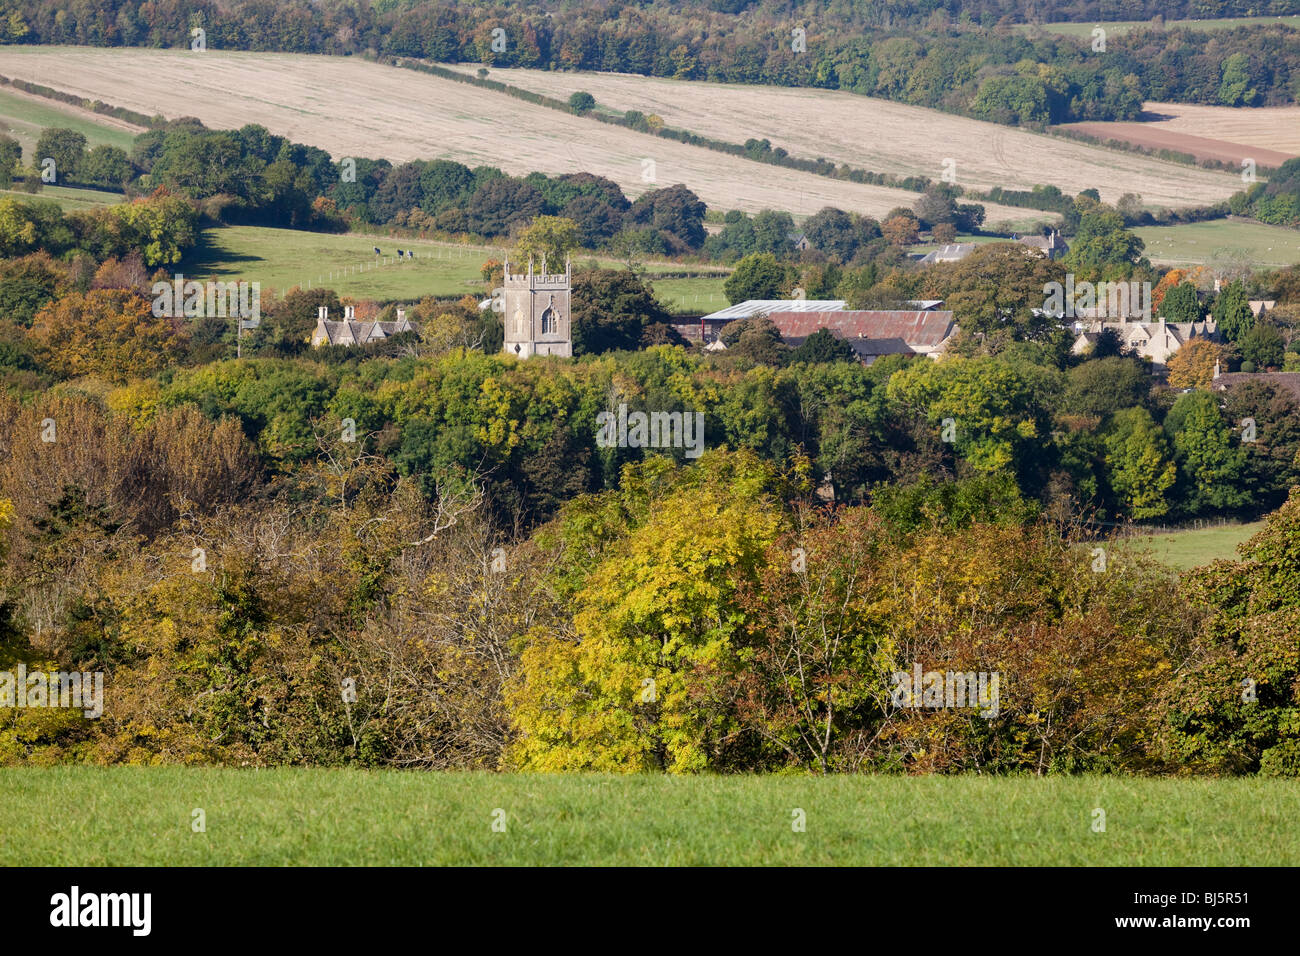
(142, 816)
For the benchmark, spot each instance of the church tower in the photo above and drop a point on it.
(536, 312)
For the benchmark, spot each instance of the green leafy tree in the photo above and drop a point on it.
(1102, 247)
(66, 147)
(1182, 304)
(1211, 462)
(1232, 313)
(611, 309)
(11, 157)
(1263, 345)
(1138, 464)
(1236, 86)
(582, 102)
(757, 276)
(822, 346)
(623, 691)
(547, 237)
(1235, 706)
(1103, 386)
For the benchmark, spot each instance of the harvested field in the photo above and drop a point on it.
(1269, 135)
(887, 137)
(354, 108)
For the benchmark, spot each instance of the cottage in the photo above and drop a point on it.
(1052, 246)
(352, 332)
(1156, 341)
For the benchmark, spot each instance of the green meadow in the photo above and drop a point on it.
(23, 119)
(83, 816)
(283, 258)
(1255, 243)
(69, 199)
(1184, 550)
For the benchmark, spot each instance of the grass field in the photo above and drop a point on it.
(77, 816)
(889, 137)
(23, 116)
(1191, 549)
(283, 258)
(68, 199)
(1124, 26)
(1257, 244)
(351, 107)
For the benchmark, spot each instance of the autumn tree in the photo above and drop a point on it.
(547, 239)
(108, 332)
(1193, 365)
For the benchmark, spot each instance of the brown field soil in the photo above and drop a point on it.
(886, 137)
(1268, 135)
(350, 107)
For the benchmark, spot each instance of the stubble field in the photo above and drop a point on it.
(887, 137)
(351, 107)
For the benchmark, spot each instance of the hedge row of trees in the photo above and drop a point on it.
(963, 63)
(350, 619)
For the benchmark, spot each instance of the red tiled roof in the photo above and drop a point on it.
(917, 329)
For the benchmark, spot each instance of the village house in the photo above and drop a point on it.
(1052, 245)
(1157, 341)
(350, 331)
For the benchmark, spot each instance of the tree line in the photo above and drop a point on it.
(957, 57)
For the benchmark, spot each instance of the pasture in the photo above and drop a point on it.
(88, 816)
(69, 199)
(1194, 548)
(1228, 241)
(346, 262)
(24, 115)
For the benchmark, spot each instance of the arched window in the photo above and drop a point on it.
(548, 321)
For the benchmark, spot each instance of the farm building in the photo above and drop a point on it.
(873, 333)
(952, 252)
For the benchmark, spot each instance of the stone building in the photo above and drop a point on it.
(535, 312)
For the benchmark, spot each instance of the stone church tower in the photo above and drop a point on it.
(536, 312)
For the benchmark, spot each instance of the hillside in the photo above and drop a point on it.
(351, 107)
(888, 137)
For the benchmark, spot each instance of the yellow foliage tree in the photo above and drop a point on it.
(1192, 366)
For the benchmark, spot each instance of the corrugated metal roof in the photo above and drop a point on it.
(752, 307)
(916, 328)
